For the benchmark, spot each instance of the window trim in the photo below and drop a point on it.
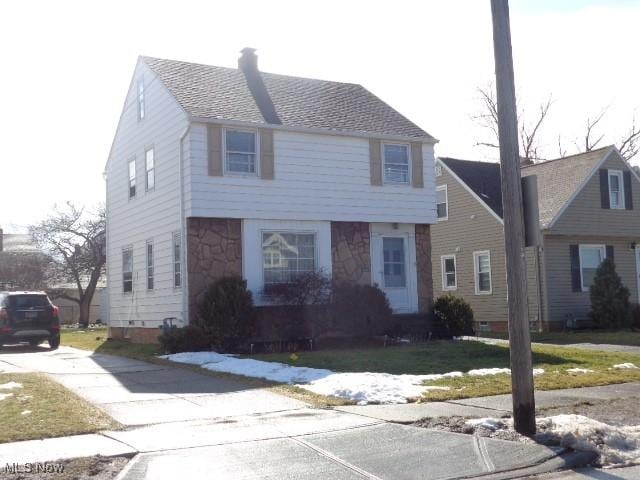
(409, 162)
(150, 148)
(141, 99)
(446, 201)
(125, 249)
(150, 268)
(230, 173)
(445, 287)
(621, 193)
(476, 272)
(177, 236)
(603, 250)
(316, 248)
(134, 179)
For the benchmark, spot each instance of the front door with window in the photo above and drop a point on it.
(393, 261)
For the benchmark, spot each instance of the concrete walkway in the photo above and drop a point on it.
(604, 347)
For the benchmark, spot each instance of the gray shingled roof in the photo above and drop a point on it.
(558, 179)
(222, 93)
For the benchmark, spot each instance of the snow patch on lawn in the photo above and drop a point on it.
(10, 385)
(25, 412)
(5, 395)
(579, 370)
(481, 372)
(625, 365)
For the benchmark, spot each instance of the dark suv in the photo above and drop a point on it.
(28, 317)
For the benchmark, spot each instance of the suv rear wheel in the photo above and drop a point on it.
(54, 342)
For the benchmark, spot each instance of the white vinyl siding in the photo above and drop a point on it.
(616, 189)
(286, 256)
(240, 151)
(591, 256)
(395, 161)
(449, 272)
(442, 202)
(150, 169)
(482, 270)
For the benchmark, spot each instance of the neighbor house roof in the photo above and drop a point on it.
(18, 243)
(558, 180)
(220, 93)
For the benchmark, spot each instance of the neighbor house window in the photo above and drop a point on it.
(132, 178)
(127, 270)
(394, 262)
(484, 327)
(141, 106)
(177, 262)
(149, 265)
(286, 256)
(396, 163)
(150, 169)
(442, 202)
(616, 189)
(591, 256)
(240, 151)
(449, 280)
(482, 268)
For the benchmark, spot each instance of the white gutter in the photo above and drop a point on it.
(183, 228)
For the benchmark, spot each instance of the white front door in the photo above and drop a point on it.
(393, 263)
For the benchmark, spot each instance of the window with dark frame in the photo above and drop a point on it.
(149, 265)
(177, 260)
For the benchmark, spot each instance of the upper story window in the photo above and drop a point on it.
(616, 189)
(240, 151)
(150, 169)
(591, 256)
(396, 163)
(442, 202)
(141, 103)
(132, 178)
(482, 267)
(287, 255)
(127, 270)
(177, 260)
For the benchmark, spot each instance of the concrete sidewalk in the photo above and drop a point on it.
(604, 347)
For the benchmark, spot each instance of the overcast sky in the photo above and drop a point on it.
(67, 65)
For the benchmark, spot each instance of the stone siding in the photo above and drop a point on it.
(350, 252)
(214, 250)
(423, 265)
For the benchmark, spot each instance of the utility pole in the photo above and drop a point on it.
(524, 416)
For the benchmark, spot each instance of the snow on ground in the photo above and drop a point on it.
(579, 370)
(616, 446)
(625, 365)
(5, 395)
(361, 387)
(10, 385)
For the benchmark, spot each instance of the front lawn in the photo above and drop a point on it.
(443, 357)
(42, 408)
(620, 337)
(95, 339)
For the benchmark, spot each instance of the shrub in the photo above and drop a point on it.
(360, 310)
(312, 288)
(635, 316)
(226, 314)
(455, 313)
(188, 339)
(610, 306)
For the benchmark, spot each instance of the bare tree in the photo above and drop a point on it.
(75, 239)
(589, 142)
(629, 145)
(528, 133)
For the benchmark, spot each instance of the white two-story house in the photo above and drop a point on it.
(219, 171)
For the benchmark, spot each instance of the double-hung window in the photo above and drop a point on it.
(127, 270)
(177, 260)
(442, 202)
(482, 270)
(240, 151)
(286, 256)
(141, 105)
(132, 178)
(616, 189)
(591, 256)
(396, 163)
(150, 169)
(149, 265)
(449, 279)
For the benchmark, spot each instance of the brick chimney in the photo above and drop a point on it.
(248, 65)
(248, 62)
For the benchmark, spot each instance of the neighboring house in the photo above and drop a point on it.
(219, 171)
(588, 205)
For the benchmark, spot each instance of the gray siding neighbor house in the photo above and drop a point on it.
(588, 206)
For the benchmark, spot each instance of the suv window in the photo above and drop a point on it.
(28, 301)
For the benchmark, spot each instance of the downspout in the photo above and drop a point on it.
(183, 228)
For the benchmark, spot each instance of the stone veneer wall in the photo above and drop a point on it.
(350, 252)
(214, 250)
(423, 261)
